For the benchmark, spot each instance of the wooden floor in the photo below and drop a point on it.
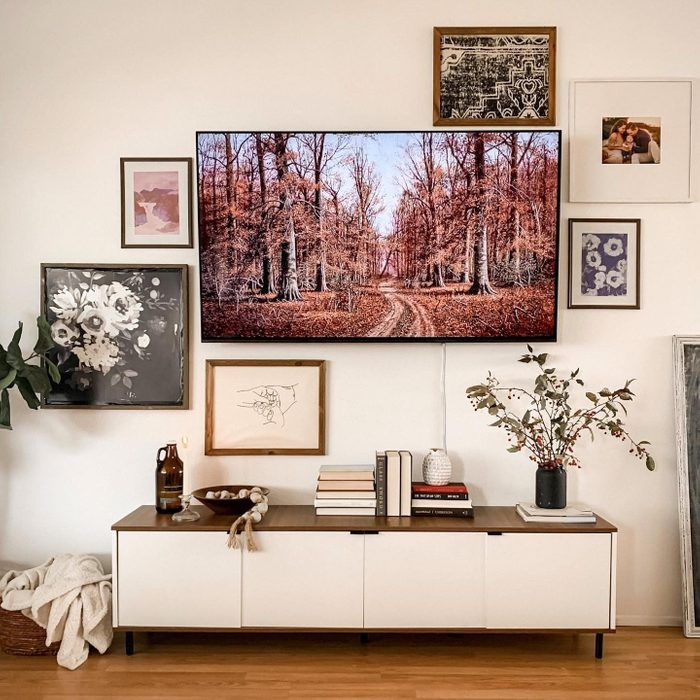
(639, 663)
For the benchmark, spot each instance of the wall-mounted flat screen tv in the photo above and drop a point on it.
(378, 236)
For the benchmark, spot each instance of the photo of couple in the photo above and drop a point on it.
(635, 140)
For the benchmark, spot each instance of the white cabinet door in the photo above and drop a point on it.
(178, 579)
(549, 580)
(424, 579)
(303, 579)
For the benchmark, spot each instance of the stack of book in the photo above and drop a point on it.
(346, 490)
(451, 500)
(530, 513)
(393, 469)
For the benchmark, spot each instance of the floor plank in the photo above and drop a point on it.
(639, 663)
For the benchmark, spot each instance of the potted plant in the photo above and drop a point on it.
(31, 380)
(550, 426)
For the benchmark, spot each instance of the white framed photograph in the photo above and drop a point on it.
(156, 202)
(630, 140)
(265, 407)
(604, 263)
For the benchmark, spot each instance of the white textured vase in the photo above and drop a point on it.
(437, 468)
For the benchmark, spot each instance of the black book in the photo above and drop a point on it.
(380, 478)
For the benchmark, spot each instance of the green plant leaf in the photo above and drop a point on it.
(651, 464)
(14, 353)
(4, 367)
(44, 341)
(7, 380)
(541, 359)
(37, 378)
(54, 372)
(25, 388)
(591, 396)
(5, 410)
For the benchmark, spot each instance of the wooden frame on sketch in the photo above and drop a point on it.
(181, 236)
(525, 84)
(267, 405)
(686, 361)
(629, 275)
(661, 169)
(134, 333)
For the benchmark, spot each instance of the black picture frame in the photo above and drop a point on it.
(550, 336)
(148, 327)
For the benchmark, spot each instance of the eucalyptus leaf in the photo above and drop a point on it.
(651, 464)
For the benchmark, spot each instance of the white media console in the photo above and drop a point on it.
(364, 574)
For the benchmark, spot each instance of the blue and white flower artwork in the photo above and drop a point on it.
(604, 262)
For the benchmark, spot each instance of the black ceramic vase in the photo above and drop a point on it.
(550, 487)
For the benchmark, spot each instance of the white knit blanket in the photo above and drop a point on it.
(70, 596)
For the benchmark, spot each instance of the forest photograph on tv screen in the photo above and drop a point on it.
(378, 236)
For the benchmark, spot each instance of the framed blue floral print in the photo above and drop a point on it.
(120, 334)
(604, 263)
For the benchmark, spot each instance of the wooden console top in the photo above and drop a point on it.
(303, 518)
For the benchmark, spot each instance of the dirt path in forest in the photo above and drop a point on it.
(405, 315)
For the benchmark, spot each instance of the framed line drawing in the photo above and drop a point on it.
(494, 76)
(156, 202)
(686, 360)
(265, 407)
(604, 263)
(121, 335)
(631, 140)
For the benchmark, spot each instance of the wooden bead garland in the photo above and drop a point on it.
(245, 521)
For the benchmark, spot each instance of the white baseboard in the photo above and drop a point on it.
(649, 621)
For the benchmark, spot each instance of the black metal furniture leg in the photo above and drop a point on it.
(599, 645)
(129, 643)
(364, 638)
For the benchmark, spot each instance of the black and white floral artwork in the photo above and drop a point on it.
(487, 75)
(120, 335)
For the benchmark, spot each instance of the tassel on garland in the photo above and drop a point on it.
(245, 521)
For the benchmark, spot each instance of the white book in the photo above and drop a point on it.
(345, 511)
(574, 519)
(440, 503)
(347, 494)
(345, 502)
(569, 511)
(406, 459)
(393, 483)
(337, 472)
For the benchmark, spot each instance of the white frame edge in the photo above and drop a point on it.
(690, 624)
(694, 134)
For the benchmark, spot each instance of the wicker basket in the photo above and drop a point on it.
(22, 636)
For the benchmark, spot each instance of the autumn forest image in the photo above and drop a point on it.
(378, 236)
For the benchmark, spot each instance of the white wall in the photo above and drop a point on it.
(84, 82)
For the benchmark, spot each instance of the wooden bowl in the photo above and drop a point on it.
(226, 506)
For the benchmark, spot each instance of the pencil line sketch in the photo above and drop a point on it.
(270, 401)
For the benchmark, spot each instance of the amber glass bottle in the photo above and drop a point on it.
(169, 481)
